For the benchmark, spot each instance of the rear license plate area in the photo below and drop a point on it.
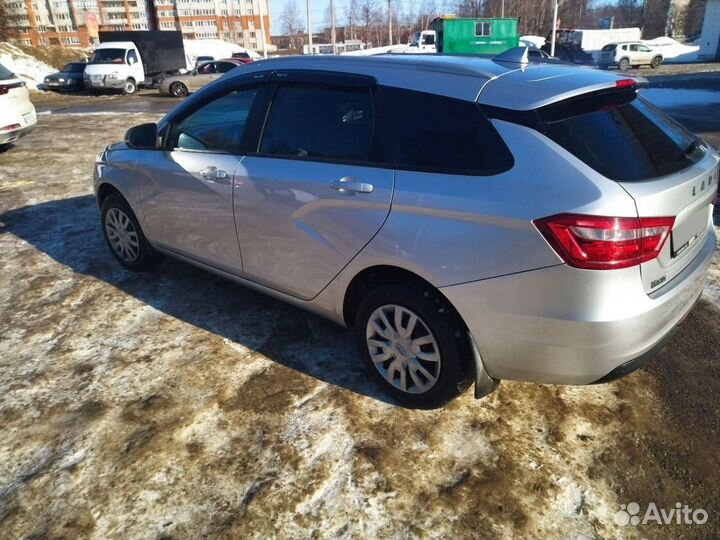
(686, 233)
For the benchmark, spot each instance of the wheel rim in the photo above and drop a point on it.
(178, 90)
(122, 235)
(129, 87)
(403, 349)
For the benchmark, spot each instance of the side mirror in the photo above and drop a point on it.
(142, 137)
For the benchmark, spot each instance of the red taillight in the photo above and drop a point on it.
(626, 83)
(603, 243)
(11, 127)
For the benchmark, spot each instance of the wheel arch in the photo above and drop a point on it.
(373, 276)
(104, 190)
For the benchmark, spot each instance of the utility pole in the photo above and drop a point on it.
(333, 38)
(262, 27)
(390, 39)
(502, 9)
(554, 29)
(309, 22)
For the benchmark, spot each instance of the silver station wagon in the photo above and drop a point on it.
(472, 219)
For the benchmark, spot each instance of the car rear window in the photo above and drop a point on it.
(5, 73)
(441, 134)
(621, 136)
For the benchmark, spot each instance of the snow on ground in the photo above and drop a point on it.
(216, 48)
(673, 97)
(672, 50)
(26, 67)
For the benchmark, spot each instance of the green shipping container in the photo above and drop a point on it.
(475, 36)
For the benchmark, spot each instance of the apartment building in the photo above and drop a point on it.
(76, 23)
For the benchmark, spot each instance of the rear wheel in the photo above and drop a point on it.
(624, 64)
(655, 63)
(178, 89)
(130, 87)
(124, 235)
(414, 345)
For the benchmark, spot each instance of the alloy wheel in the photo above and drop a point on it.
(403, 349)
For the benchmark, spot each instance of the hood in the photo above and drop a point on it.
(105, 69)
(63, 75)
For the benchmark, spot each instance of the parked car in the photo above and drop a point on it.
(17, 113)
(69, 78)
(202, 59)
(182, 85)
(542, 224)
(628, 54)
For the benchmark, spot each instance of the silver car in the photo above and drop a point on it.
(473, 220)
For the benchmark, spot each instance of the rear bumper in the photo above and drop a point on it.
(563, 325)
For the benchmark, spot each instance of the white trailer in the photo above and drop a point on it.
(591, 41)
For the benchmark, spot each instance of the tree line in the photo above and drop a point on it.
(368, 20)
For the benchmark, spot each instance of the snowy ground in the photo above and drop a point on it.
(178, 405)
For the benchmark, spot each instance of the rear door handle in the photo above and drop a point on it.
(213, 173)
(350, 184)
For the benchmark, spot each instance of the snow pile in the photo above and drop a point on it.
(216, 48)
(672, 50)
(26, 67)
(534, 42)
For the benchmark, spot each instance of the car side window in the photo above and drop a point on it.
(207, 69)
(643, 48)
(132, 57)
(309, 121)
(634, 48)
(217, 126)
(436, 133)
(624, 47)
(224, 67)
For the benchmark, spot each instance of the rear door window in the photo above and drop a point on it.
(317, 122)
(623, 138)
(441, 134)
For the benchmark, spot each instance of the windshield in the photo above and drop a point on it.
(74, 68)
(415, 39)
(5, 73)
(610, 47)
(108, 56)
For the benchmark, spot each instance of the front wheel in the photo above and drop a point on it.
(178, 89)
(414, 345)
(124, 235)
(130, 87)
(655, 63)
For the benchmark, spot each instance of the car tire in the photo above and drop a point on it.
(656, 62)
(130, 87)
(178, 89)
(444, 371)
(624, 64)
(124, 236)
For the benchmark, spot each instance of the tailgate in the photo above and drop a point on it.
(688, 196)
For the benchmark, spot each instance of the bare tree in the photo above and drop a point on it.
(368, 15)
(291, 21)
(352, 12)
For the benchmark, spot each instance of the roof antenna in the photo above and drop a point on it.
(516, 55)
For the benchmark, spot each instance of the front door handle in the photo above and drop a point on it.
(350, 184)
(213, 173)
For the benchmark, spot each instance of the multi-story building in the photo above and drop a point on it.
(77, 22)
